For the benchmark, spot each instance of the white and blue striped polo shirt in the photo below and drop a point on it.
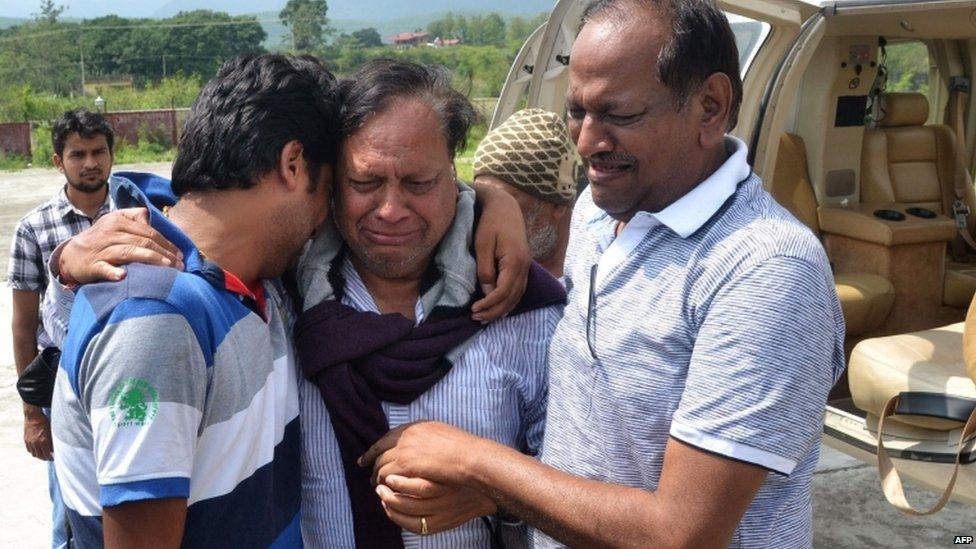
(496, 389)
(714, 321)
(171, 385)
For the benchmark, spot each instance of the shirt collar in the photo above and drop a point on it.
(687, 214)
(357, 294)
(128, 194)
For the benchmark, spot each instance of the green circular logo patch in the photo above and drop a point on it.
(133, 402)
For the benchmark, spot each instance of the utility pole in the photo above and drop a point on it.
(81, 48)
(164, 66)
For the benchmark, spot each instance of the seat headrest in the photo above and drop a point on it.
(903, 109)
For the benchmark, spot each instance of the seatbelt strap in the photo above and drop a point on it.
(958, 97)
(960, 212)
(891, 483)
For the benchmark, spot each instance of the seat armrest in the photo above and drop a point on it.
(860, 223)
(938, 405)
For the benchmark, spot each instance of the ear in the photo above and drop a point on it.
(291, 166)
(714, 100)
(58, 162)
(560, 211)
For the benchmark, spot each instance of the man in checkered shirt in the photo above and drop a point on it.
(83, 153)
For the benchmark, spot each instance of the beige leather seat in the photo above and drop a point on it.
(928, 361)
(865, 298)
(904, 161)
(942, 360)
(960, 284)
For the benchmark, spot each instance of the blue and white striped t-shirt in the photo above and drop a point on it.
(714, 321)
(171, 385)
(496, 389)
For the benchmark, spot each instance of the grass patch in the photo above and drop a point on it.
(12, 162)
(463, 162)
(465, 168)
(143, 151)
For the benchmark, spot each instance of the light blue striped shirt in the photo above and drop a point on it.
(496, 390)
(714, 321)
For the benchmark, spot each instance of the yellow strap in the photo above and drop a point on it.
(891, 483)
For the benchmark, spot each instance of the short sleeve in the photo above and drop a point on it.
(766, 354)
(57, 302)
(143, 384)
(26, 268)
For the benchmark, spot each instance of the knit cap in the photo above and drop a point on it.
(531, 151)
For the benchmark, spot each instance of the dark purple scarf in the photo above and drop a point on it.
(360, 359)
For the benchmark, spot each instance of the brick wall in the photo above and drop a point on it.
(15, 138)
(160, 125)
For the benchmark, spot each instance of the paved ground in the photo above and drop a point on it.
(25, 511)
(849, 510)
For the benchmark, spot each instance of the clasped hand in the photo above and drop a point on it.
(419, 472)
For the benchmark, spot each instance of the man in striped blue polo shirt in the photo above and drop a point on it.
(176, 405)
(689, 373)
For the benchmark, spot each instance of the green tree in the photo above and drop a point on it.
(43, 55)
(208, 39)
(191, 43)
(518, 29)
(908, 67)
(118, 50)
(488, 30)
(368, 38)
(308, 24)
(363, 38)
(49, 12)
(461, 27)
(445, 27)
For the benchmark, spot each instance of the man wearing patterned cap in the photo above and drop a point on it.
(531, 156)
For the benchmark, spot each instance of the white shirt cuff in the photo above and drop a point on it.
(731, 449)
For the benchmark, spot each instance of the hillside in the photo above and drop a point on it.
(6, 22)
(277, 33)
(338, 9)
(388, 17)
(375, 10)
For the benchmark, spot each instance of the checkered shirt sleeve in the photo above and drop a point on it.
(26, 267)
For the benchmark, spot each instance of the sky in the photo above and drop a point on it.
(84, 8)
(340, 9)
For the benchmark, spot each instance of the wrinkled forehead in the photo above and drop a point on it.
(407, 132)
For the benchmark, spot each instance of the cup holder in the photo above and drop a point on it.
(889, 215)
(924, 213)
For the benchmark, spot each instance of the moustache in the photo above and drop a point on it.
(611, 158)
